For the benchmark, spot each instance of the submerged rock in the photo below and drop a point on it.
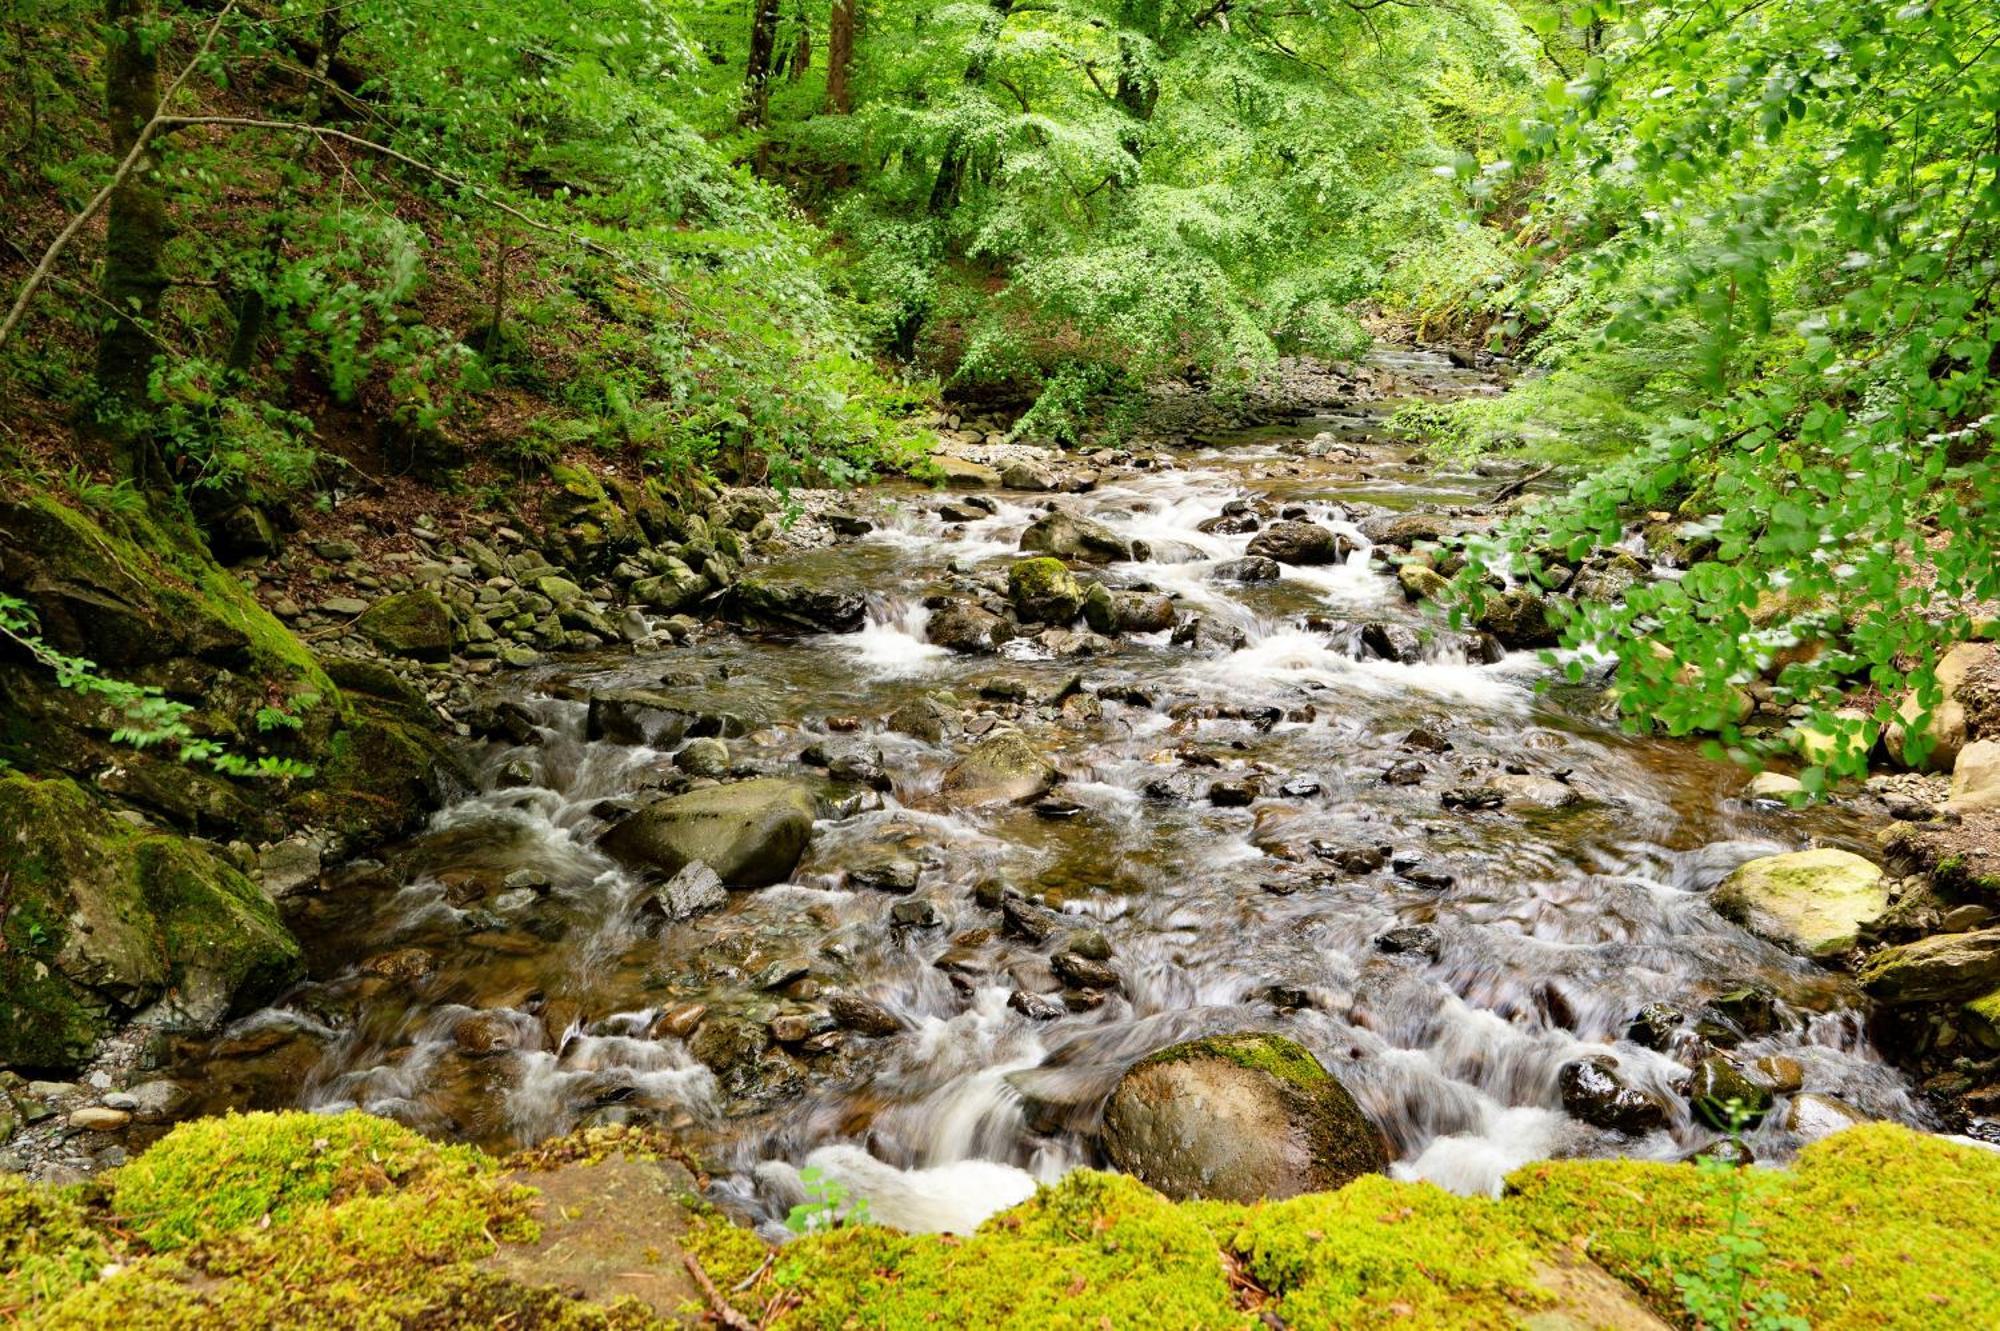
(1003, 768)
(1813, 901)
(751, 833)
(1239, 1118)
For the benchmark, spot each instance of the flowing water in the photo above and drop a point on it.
(502, 1015)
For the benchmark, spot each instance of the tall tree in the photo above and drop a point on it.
(757, 70)
(951, 167)
(839, 57)
(134, 275)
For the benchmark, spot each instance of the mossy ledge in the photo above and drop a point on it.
(296, 1220)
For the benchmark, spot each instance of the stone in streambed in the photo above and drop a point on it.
(1299, 543)
(1250, 568)
(696, 888)
(751, 833)
(1813, 901)
(1003, 768)
(788, 607)
(1726, 1097)
(1044, 591)
(1813, 1116)
(1067, 536)
(1593, 1091)
(1238, 1118)
(967, 629)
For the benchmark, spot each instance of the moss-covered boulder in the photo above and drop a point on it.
(751, 833)
(1812, 901)
(417, 624)
(1944, 968)
(1044, 591)
(586, 526)
(102, 920)
(1238, 1117)
(1003, 768)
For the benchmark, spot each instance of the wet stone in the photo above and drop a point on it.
(1593, 1091)
(1083, 972)
(1407, 772)
(1035, 1007)
(1656, 1026)
(1412, 939)
(864, 1016)
(914, 915)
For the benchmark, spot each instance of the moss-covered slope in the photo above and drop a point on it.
(300, 1221)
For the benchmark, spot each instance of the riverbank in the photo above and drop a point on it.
(304, 1221)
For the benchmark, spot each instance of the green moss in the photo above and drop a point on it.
(48, 1245)
(1379, 1253)
(1095, 1250)
(294, 1220)
(1876, 1226)
(1287, 1060)
(213, 1175)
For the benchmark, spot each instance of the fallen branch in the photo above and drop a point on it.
(1518, 484)
(718, 1306)
(144, 139)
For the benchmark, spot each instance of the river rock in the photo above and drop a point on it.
(1298, 542)
(1030, 476)
(1044, 591)
(636, 716)
(1593, 1091)
(1535, 791)
(864, 1016)
(1518, 617)
(1391, 642)
(751, 833)
(1968, 677)
(1773, 788)
(1814, 1116)
(961, 472)
(1003, 768)
(1209, 636)
(706, 756)
(696, 888)
(924, 718)
(965, 628)
(1250, 568)
(671, 591)
(1069, 537)
(1420, 582)
(791, 607)
(1238, 1118)
(1812, 901)
(416, 624)
(1404, 530)
(1716, 1083)
(1421, 940)
(1944, 968)
(1975, 778)
(98, 1118)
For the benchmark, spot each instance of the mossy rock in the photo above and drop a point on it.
(1945, 968)
(417, 624)
(589, 528)
(1044, 591)
(751, 834)
(1003, 768)
(101, 920)
(1812, 901)
(1238, 1117)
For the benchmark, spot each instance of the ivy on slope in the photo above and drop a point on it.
(1798, 201)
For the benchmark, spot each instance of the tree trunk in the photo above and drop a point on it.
(136, 223)
(839, 55)
(951, 167)
(757, 72)
(1138, 92)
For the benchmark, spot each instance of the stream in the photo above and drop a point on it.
(497, 979)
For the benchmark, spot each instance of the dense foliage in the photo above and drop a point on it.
(1764, 244)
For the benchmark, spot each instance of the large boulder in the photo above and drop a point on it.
(1044, 591)
(751, 833)
(1975, 778)
(1300, 543)
(1518, 617)
(961, 472)
(1968, 677)
(1067, 536)
(100, 921)
(1812, 901)
(1238, 1118)
(417, 624)
(1003, 768)
(1944, 968)
(791, 607)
